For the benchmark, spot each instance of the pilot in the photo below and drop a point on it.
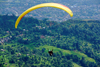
(50, 52)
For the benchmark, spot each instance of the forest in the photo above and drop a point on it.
(75, 43)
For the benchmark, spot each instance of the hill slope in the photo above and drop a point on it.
(73, 41)
(83, 9)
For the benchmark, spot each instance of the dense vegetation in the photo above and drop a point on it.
(76, 43)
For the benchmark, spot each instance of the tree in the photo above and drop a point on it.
(1, 63)
(25, 58)
(11, 61)
(43, 49)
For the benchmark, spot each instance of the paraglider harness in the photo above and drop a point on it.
(50, 52)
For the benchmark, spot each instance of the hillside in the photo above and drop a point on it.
(83, 9)
(74, 43)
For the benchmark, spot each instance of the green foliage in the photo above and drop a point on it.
(1, 63)
(74, 42)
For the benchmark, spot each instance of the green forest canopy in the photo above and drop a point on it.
(75, 42)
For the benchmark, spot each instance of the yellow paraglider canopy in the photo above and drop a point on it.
(55, 5)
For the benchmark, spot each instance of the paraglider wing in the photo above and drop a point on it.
(55, 5)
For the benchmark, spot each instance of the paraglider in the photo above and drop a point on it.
(50, 52)
(54, 5)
